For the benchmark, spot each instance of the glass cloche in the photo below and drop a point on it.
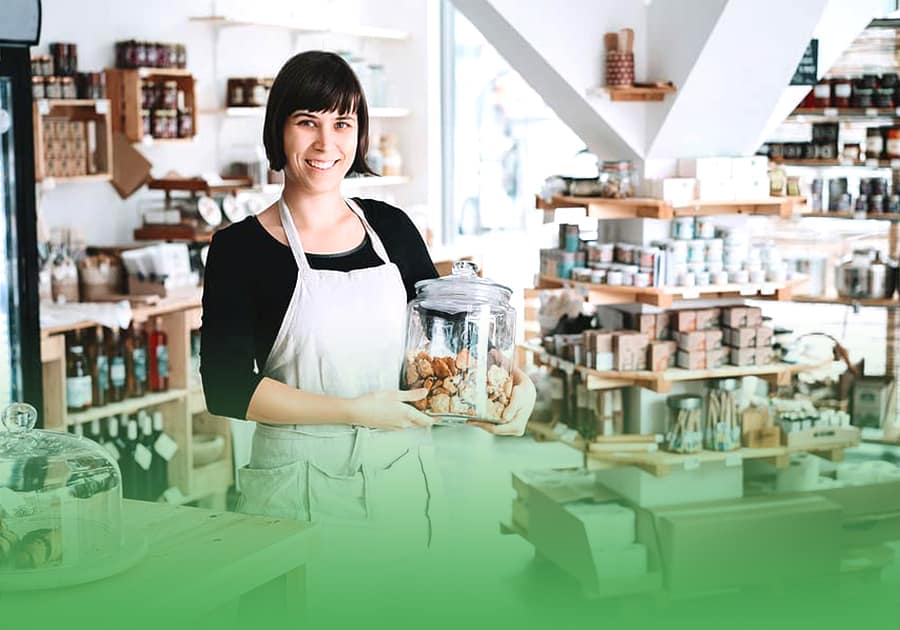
(460, 343)
(60, 500)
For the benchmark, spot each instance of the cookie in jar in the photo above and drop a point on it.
(459, 346)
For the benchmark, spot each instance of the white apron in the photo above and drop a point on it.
(342, 335)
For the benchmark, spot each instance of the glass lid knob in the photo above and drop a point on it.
(465, 269)
(19, 417)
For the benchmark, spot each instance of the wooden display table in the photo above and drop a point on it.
(199, 566)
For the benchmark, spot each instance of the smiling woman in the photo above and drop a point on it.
(306, 335)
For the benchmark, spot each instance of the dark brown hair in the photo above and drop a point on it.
(315, 81)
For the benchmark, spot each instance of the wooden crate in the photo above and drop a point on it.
(97, 137)
(124, 89)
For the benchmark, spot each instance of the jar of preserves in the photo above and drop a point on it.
(842, 89)
(235, 89)
(181, 53)
(185, 123)
(52, 87)
(168, 95)
(171, 56)
(460, 342)
(148, 95)
(67, 87)
(37, 87)
(892, 146)
(617, 179)
(256, 93)
(151, 57)
(145, 123)
(160, 126)
(874, 143)
(862, 97)
(884, 97)
(46, 65)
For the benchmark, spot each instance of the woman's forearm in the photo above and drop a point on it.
(276, 403)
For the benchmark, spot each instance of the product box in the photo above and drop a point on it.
(603, 342)
(870, 400)
(743, 357)
(741, 337)
(754, 316)
(716, 358)
(660, 355)
(604, 361)
(684, 321)
(764, 336)
(714, 339)
(754, 418)
(766, 437)
(705, 168)
(741, 316)
(764, 356)
(690, 341)
(695, 360)
(641, 322)
(676, 191)
(664, 325)
(715, 190)
(630, 351)
(708, 318)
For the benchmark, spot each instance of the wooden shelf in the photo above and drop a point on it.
(160, 72)
(128, 406)
(199, 184)
(868, 302)
(103, 177)
(893, 218)
(149, 141)
(850, 114)
(661, 382)
(635, 93)
(94, 145)
(369, 32)
(873, 163)
(124, 88)
(180, 232)
(645, 208)
(161, 306)
(665, 297)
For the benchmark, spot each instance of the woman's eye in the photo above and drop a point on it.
(342, 125)
(306, 123)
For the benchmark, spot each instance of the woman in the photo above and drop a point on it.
(313, 292)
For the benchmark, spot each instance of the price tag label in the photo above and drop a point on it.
(872, 162)
(101, 107)
(690, 294)
(691, 463)
(733, 460)
(767, 289)
(174, 496)
(143, 456)
(871, 112)
(165, 446)
(112, 450)
(747, 290)
(43, 107)
(830, 112)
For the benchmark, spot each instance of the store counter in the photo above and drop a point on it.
(200, 565)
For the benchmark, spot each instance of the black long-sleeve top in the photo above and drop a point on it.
(249, 280)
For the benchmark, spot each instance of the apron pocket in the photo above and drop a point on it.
(337, 498)
(272, 492)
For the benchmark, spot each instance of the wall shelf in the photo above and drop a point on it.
(817, 163)
(665, 297)
(661, 382)
(849, 114)
(635, 93)
(93, 147)
(646, 208)
(893, 218)
(369, 32)
(127, 406)
(841, 301)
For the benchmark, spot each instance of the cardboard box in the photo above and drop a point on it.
(660, 354)
(741, 316)
(691, 341)
(766, 437)
(695, 360)
(710, 481)
(641, 322)
(716, 358)
(663, 325)
(754, 316)
(705, 168)
(630, 350)
(603, 342)
(708, 318)
(743, 357)
(765, 356)
(741, 337)
(764, 336)
(871, 397)
(755, 418)
(714, 339)
(684, 321)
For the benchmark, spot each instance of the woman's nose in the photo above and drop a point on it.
(324, 137)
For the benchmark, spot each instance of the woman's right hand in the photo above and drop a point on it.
(389, 410)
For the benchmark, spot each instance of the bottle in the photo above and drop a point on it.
(95, 433)
(151, 487)
(117, 369)
(160, 463)
(139, 359)
(128, 465)
(115, 445)
(157, 358)
(96, 356)
(78, 379)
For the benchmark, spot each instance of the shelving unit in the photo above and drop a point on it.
(124, 89)
(93, 112)
(836, 300)
(665, 297)
(634, 93)
(817, 163)
(370, 32)
(644, 208)
(852, 114)
(894, 218)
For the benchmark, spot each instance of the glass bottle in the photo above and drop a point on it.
(139, 358)
(99, 364)
(157, 357)
(78, 379)
(117, 369)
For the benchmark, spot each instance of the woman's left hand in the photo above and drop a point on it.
(521, 404)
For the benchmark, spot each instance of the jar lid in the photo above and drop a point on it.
(684, 402)
(461, 289)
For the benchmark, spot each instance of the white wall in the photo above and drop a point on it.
(95, 25)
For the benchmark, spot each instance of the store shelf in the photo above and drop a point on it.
(183, 233)
(260, 112)
(149, 141)
(645, 208)
(369, 32)
(870, 164)
(131, 405)
(851, 114)
(868, 302)
(665, 297)
(141, 313)
(892, 218)
(49, 182)
(634, 93)
(661, 382)
(161, 72)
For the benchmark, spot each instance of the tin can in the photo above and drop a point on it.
(683, 228)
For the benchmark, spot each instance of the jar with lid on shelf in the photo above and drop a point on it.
(37, 87)
(460, 346)
(67, 88)
(53, 87)
(841, 92)
(393, 161)
(60, 505)
(617, 179)
(822, 94)
(684, 429)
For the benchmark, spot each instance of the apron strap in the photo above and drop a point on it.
(377, 245)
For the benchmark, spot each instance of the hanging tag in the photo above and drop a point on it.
(101, 107)
(691, 463)
(733, 460)
(143, 456)
(112, 450)
(174, 496)
(165, 446)
(43, 106)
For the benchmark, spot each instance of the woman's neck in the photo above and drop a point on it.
(314, 211)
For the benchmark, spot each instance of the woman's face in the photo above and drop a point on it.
(320, 148)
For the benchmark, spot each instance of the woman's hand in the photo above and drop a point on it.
(521, 404)
(388, 410)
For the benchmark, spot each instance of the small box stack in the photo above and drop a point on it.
(69, 147)
(750, 342)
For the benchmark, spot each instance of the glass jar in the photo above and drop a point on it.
(862, 97)
(181, 53)
(52, 87)
(168, 95)
(842, 89)
(822, 94)
(151, 56)
(145, 123)
(185, 123)
(61, 513)
(67, 88)
(235, 89)
(617, 179)
(37, 87)
(892, 146)
(148, 95)
(874, 143)
(684, 432)
(723, 420)
(460, 345)
(160, 124)
(884, 97)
